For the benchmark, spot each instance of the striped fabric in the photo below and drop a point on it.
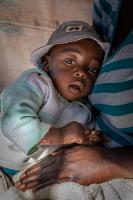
(112, 94)
(105, 14)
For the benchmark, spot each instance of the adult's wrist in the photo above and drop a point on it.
(118, 162)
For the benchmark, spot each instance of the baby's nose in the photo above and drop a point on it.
(80, 74)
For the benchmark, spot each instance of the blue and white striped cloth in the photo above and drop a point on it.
(112, 94)
(105, 16)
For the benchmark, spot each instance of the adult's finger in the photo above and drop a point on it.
(43, 185)
(48, 183)
(36, 182)
(44, 171)
(47, 163)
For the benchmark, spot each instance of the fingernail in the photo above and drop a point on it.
(79, 142)
(86, 132)
(93, 132)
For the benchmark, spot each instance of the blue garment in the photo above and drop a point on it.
(112, 94)
(105, 17)
(9, 171)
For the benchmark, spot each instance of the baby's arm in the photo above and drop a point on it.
(73, 132)
(20, 104)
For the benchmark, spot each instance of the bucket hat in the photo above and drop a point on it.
(69, 31)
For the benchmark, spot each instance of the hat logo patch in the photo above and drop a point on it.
(74, 28)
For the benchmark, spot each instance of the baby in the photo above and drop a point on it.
(48, 105)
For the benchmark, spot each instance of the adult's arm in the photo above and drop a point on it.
(82, 164)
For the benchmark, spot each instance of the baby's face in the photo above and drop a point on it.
(74, 67)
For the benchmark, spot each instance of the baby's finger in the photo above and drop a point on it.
(88, 131)
(95, 132)
(96, 139)
(44, 142)
(79, 141)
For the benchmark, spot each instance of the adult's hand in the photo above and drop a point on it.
(81, 164)
(84, 165)
(94, 164)
(40, 175)
(72, 132)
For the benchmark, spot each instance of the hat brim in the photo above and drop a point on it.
(37, 54)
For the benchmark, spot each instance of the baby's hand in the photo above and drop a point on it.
(71, 133)
(94, 137)
(53, 137)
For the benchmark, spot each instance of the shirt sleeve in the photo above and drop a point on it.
(20, 105)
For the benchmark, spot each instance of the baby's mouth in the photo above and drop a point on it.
(76, 87)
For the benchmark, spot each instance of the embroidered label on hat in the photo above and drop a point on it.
(73, 28)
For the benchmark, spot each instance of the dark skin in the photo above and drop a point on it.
(76, 65)
(71, 133)
(94, 164)
(82, 164)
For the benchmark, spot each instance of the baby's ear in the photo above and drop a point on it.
(46, 63)
(46, 68)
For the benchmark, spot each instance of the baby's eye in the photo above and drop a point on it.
(92, 69)
(69, 61)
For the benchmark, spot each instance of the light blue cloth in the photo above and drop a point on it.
(29, 107)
